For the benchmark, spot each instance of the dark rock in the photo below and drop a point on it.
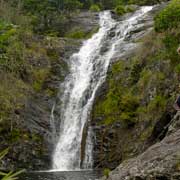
(161, 126)
(161, 161)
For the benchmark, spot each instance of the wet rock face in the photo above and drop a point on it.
(107, 150)
(161, 161)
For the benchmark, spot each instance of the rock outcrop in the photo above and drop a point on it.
(113, 143)
(161, 161)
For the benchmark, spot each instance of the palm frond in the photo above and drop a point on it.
(3, 153)
(10, 175)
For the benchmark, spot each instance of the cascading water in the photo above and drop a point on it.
(88, 70)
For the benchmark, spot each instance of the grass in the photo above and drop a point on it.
(10, 175)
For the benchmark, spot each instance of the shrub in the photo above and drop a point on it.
(106, 172)
(157, 104)
(169, 17)
(135, 72)
(120, 10)
(171, 41)
(144, 2)
(129, 102)
(76, 34)
(145, 77)
(39, 78)
(95, 8)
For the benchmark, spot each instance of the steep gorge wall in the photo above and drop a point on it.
(25, 127)
(134, 108)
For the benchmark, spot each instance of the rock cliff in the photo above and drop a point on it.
(160, 161)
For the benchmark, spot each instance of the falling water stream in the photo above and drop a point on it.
(88, 70)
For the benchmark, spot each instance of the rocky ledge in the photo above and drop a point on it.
(161, 161)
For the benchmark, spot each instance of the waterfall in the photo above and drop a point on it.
(88, 70)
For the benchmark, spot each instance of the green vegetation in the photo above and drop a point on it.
(40, 76)
(137, 90)
(168, 18)
(120, 103)
(106, 173)
(52, 17)
(139, 93)
(10, 175)
(120, 9)
(95, 8)
(76, 34)
(144, 2)
(30, 48)
(26, 62)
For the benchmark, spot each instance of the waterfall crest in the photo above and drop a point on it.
(88, 70)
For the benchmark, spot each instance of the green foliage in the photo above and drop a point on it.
(177, 69)
(108, 4)
(117, 67)
(157, 104)
(15, 135)
(120, 103)
(39, 78)
(95, 8)
(129, 105)
(144, 2)
(168, 18)
(3, 153)
(106, 172)
(11, 96)
(171, 42)
(7, 31)
(135, 72)
(120, 10)
(51, 17)
(145, 78)
(71, 5)
(10, 175)
(137, 91)
(76, 34)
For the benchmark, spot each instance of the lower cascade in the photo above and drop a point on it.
(88, 70)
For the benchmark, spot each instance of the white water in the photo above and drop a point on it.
(88, 70)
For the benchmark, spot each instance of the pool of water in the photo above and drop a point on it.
(67, 175)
